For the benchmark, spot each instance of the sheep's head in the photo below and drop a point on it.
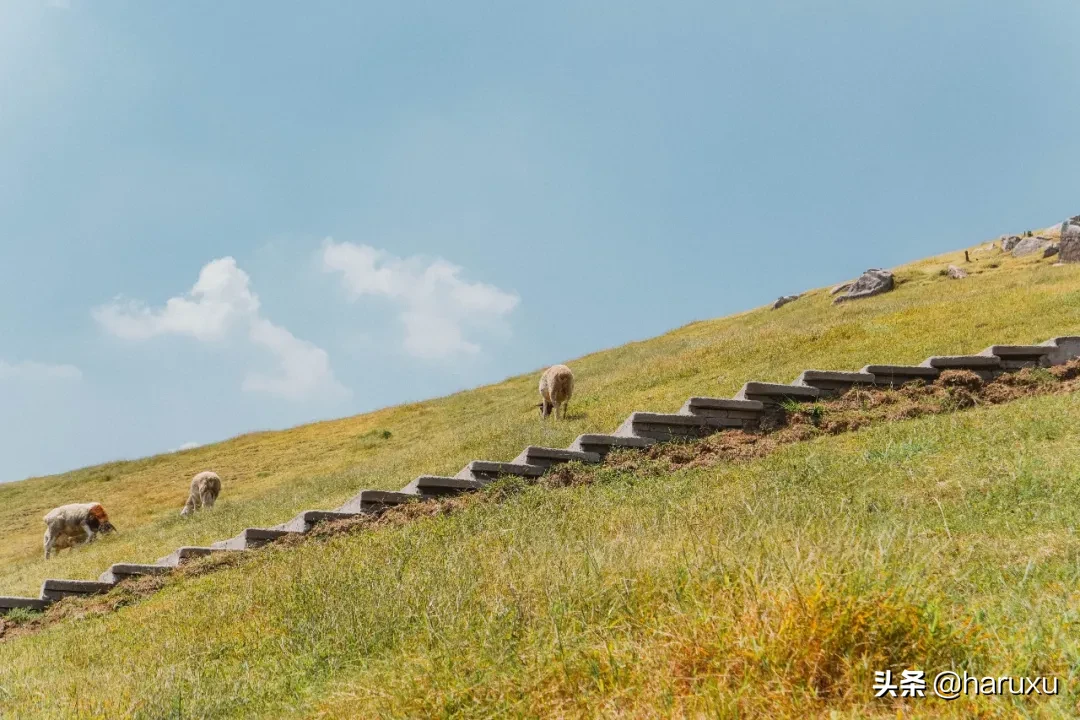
(545, 408)
(99, 520)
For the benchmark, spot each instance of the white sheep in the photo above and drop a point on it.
(205, 488)
(556, 387)
(75, 524)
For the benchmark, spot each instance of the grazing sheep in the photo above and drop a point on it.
(556, 387)
(75, 524)
(205, 487)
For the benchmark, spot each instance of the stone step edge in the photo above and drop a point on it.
(548, 456)
(14, 602)
(123, 571)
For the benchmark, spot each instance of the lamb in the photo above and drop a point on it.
(556, 387)
(205, 488)
(75, 524)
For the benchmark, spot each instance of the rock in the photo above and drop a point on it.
(956, 273)
(1051, 250)
(872, 282)
(1008, 243)
(1069, 246)
(1030, 246)
(840, 288)
(1069, 251)
(1071, 227)
(784, 300)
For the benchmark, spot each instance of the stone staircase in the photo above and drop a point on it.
(698, 417)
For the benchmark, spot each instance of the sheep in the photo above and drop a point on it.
(75, 524)
(556, 387)
(205, 488)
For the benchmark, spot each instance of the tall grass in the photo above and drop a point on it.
(773, 588)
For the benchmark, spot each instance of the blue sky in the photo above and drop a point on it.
(224, 217)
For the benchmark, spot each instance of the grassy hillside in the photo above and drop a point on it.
(270, 476)
(772, 588)
(945, 540)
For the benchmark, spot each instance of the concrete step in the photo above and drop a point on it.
(436, 485)
(10, 602)
(674, 426)
(773, 395)
(369, 501)
(985, 366)
(413, 488)
(123, 571)
(834, 382)
(603, 444)
(1062, 349)
(308, 519)
(746, 410)
(1016, 357)
(545, 457)
(53, 589)
(430, 486)
(187, 552)
(251, 538)
(487, 470)
(897, 375)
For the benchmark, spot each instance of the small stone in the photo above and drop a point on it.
(1051, 250)
(956, 273)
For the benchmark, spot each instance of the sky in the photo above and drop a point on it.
(218, 218)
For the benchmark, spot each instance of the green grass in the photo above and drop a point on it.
(946, 539)
(773, 588)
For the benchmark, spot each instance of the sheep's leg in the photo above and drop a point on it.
(189, 506)
(48, 544)
(89, 534)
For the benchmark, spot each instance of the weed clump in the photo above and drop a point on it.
(821, 643)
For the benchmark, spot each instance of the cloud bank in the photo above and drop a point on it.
(436, 306)
(219, 306)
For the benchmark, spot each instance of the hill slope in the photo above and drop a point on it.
(270, 476)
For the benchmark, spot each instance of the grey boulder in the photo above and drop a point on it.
(1030, 246)
(1008, 243)
(872, 282)
(784, 300)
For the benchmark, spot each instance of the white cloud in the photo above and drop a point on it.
(221, 296)
(185, 446)
(304, 368)
(29, 370)
(218, 306)
(437, 306)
